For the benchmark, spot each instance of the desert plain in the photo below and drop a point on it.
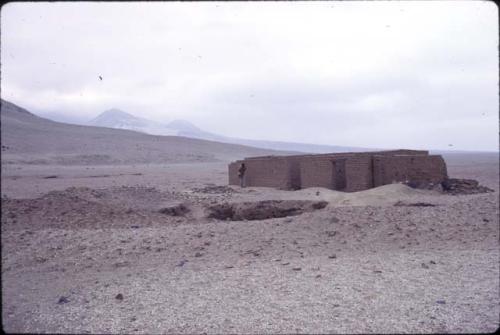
(113, 231)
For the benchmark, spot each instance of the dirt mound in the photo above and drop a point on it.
(214, 189)
(262, 210)
(83, 207)
(463, 186)
(175, 210)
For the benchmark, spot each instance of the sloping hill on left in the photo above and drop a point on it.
(29, 139)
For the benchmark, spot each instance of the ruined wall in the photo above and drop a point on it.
(401, 152)
(363, 170)
(295, 173)
(233, 172)
(316, 172)
(359, 173)
(400, 168)
(267, 172)
(320, 172)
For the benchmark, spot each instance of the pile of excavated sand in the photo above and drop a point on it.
(385, 195)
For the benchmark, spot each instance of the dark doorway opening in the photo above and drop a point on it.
(339, 179)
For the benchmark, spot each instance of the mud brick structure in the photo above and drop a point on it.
(348, 172)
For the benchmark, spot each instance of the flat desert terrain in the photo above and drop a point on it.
(108, 231)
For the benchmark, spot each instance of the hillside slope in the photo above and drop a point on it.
(27, 138)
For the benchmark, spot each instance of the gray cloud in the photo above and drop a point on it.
(385, 74)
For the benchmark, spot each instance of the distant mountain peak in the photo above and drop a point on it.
(183, 125)
(115, 112)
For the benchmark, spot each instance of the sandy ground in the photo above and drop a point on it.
(96, 249)
(112, 231)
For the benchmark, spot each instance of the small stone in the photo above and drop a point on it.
(181, 263)
(134, 227)
(425, 266)
(229, 267)
(198, 254)
(441, 302)
(296, 269)
(332, 256)
(377, 271)
(318, 276)
(285, 263)
(119, 296)
(63, 300)
(432, 262)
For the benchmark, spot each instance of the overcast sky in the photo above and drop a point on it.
(374, 74)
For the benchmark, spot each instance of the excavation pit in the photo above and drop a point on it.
(262, 210)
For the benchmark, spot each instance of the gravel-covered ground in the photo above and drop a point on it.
(99, 250)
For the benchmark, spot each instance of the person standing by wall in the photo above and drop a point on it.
(241, 174)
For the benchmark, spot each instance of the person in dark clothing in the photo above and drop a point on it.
(241, 174)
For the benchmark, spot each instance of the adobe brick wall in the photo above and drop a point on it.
(349, 154)
(319, 172)
(233, 172)
(399, 168)
(274, 172)
(316, 172)
(363, 170)
(359, 173)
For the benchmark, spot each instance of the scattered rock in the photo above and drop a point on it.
(415, 204)
(318, 276)
(332, 256)
(456, 186)
(377, 271)
(198, 254)
(441, 302)
(331, 233)
(176, 210)
(121, 264)
(214, 189)
(50, 177)
(119, 296)
(181, 263)
(334, 220)
(425, 266)
(63, 300)
(286, 263)
(432, 262)
(134, 227)
(296, 269)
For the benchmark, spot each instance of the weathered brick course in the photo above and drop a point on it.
(341, 171)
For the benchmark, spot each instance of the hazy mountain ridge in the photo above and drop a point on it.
(118, 119)
(30, 139)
